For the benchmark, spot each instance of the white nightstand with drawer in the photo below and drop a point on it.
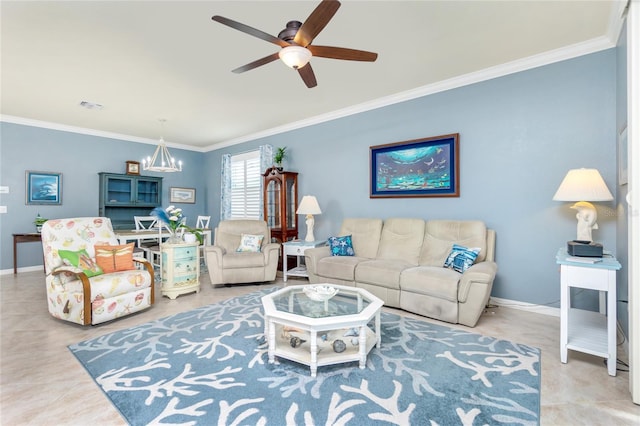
(297, 248)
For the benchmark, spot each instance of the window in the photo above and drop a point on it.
(246, 184)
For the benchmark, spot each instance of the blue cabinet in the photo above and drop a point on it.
(124, 196)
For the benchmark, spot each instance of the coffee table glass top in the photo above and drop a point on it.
(320, 301)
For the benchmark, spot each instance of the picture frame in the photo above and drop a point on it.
(43, 188)
(427, 167)
(182, 195)
(133, 168)
(623, 153)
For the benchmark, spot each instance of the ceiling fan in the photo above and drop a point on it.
(295, 41)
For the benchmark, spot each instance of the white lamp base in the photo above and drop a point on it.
(587, 216)
(310, 222)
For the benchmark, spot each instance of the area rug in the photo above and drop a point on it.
(209, 366)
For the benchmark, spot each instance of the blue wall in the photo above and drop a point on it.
(519, 135)
(79, 158)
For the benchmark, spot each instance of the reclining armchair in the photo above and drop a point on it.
(90, 278)
(242, 252)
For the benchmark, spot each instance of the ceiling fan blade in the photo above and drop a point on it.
(257, 63)
(250, 30)
(342, 53)
(318, 19)
(308, 76)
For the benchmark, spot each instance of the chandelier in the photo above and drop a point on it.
(161, 161)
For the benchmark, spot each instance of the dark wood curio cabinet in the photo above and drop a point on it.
(280, 204)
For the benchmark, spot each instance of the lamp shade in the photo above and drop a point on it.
(295, 56)
(583, 185)
(309, 205)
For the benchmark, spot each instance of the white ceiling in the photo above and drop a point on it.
(146, 60)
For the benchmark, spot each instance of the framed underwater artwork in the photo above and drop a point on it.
(43, 188)
(428, 167)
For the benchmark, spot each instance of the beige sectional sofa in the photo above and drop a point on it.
(401, 261)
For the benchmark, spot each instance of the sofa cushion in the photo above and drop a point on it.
(440, 235)
(401, 239)
(243, 260)
(433, 281)
(383, 273)
(338, 267)
(461, 258)
(365, 235)
(228, 234)
(341, 246)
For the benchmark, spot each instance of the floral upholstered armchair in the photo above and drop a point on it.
(90, 278)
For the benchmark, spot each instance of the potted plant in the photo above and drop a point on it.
(39, 221)
(279, 156)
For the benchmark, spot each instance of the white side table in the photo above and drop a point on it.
(297, 248)
(586, 331)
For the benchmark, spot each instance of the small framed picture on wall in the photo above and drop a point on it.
(133, 167)
(43, 188)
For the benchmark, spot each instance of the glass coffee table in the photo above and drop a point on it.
(321, 324)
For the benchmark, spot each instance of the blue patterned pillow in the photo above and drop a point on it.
(341, 246)
(461, 258)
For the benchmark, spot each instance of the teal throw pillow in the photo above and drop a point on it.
(341, 246)
(82, 260)
(461, 258)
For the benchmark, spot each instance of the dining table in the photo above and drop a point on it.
(126, 236)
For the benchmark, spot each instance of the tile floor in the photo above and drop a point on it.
(41, 383)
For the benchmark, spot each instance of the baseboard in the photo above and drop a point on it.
(25, 269)
(524, 306)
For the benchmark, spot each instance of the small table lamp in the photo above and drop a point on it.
(309, 206)
(583, 185)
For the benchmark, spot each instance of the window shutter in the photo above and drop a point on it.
(245, 185)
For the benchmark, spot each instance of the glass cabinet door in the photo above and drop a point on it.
(148, 192)
(273, 204)
(118, 190)
(292, 198)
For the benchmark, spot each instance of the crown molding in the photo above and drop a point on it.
(91, 132)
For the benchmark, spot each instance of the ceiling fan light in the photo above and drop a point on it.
(295, 56)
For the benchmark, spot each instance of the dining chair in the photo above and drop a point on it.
(145, 223)
(201, 223)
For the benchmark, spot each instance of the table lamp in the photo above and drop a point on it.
(309, 206)
(584, 185)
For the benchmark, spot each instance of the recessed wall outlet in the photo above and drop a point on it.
(3, 209)
(4, 189)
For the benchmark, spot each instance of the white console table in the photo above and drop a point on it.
(297, 248)
(586, 331)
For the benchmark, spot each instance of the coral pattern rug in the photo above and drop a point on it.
(209, 366)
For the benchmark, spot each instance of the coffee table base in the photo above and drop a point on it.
(316, 347)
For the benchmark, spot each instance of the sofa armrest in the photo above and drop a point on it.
(311, 258)
(474, 291)
(149, 268)
(214, 255)
(270, 251)
(86, 289)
